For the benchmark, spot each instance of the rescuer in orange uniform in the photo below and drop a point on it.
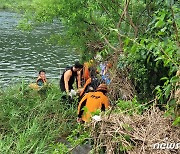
(93, 101)
(91, 83)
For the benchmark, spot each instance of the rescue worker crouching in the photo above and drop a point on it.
(93, 101)
(68, 77)
(91, 84)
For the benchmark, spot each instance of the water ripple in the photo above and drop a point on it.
(23, 54)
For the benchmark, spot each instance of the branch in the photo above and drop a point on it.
(104, 9)
(106, 40)
(123, 13)
(132, 24)
(162, 50)
(120, 21)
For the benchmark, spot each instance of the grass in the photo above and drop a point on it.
(36, 122)
(31, 122)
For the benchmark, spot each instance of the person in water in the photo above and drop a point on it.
(68, 77)
(93, 101)
(41, 80)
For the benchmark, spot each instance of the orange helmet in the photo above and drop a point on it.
(102, 87)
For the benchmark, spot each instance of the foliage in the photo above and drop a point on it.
(177, 122)
(89, 25)
(153, 58)
(13, 4)
(131, 107)
(31, 122)
(141, 37)
(140, 30)
(59, 148)
(78, 136)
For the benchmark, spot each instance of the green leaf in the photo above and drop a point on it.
(97, 112)
(159, 24)
(160, 33)
(85, 109)
(169, 2)
(159, 58)
(148, 58)
(163, 29)
(127, 40)
(172, 102)
(175, 79)
(163, 14)
(113, 29)
(176, 121)
(151, 46)
(157, 87)
(164, 78)
(133, 49)
(167, 90)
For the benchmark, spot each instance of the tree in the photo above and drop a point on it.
(134, 34)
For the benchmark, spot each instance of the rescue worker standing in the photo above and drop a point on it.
(68, 77)
(92, 101)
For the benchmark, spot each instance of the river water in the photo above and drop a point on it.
(23, 54)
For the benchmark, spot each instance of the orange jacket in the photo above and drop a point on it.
(92, 101)
(86, 73)
(84, 87)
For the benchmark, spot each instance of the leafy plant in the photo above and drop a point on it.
(31, 123)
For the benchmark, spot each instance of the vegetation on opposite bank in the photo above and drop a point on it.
(14, 4)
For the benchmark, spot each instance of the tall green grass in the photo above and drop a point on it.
(32, 122)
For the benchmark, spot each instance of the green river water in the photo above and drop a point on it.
(23, 54)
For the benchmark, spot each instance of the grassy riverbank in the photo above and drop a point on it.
(42, 122)
(31, 122)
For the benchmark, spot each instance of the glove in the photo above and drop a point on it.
(96, 118)
(72, 92)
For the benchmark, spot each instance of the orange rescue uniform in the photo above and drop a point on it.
(92, 101)
(85, 86)
(86, 73)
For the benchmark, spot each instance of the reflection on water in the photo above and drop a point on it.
(23, 54)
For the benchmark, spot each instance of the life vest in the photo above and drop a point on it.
(35, 86)
(71, 80)
(90, 103)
